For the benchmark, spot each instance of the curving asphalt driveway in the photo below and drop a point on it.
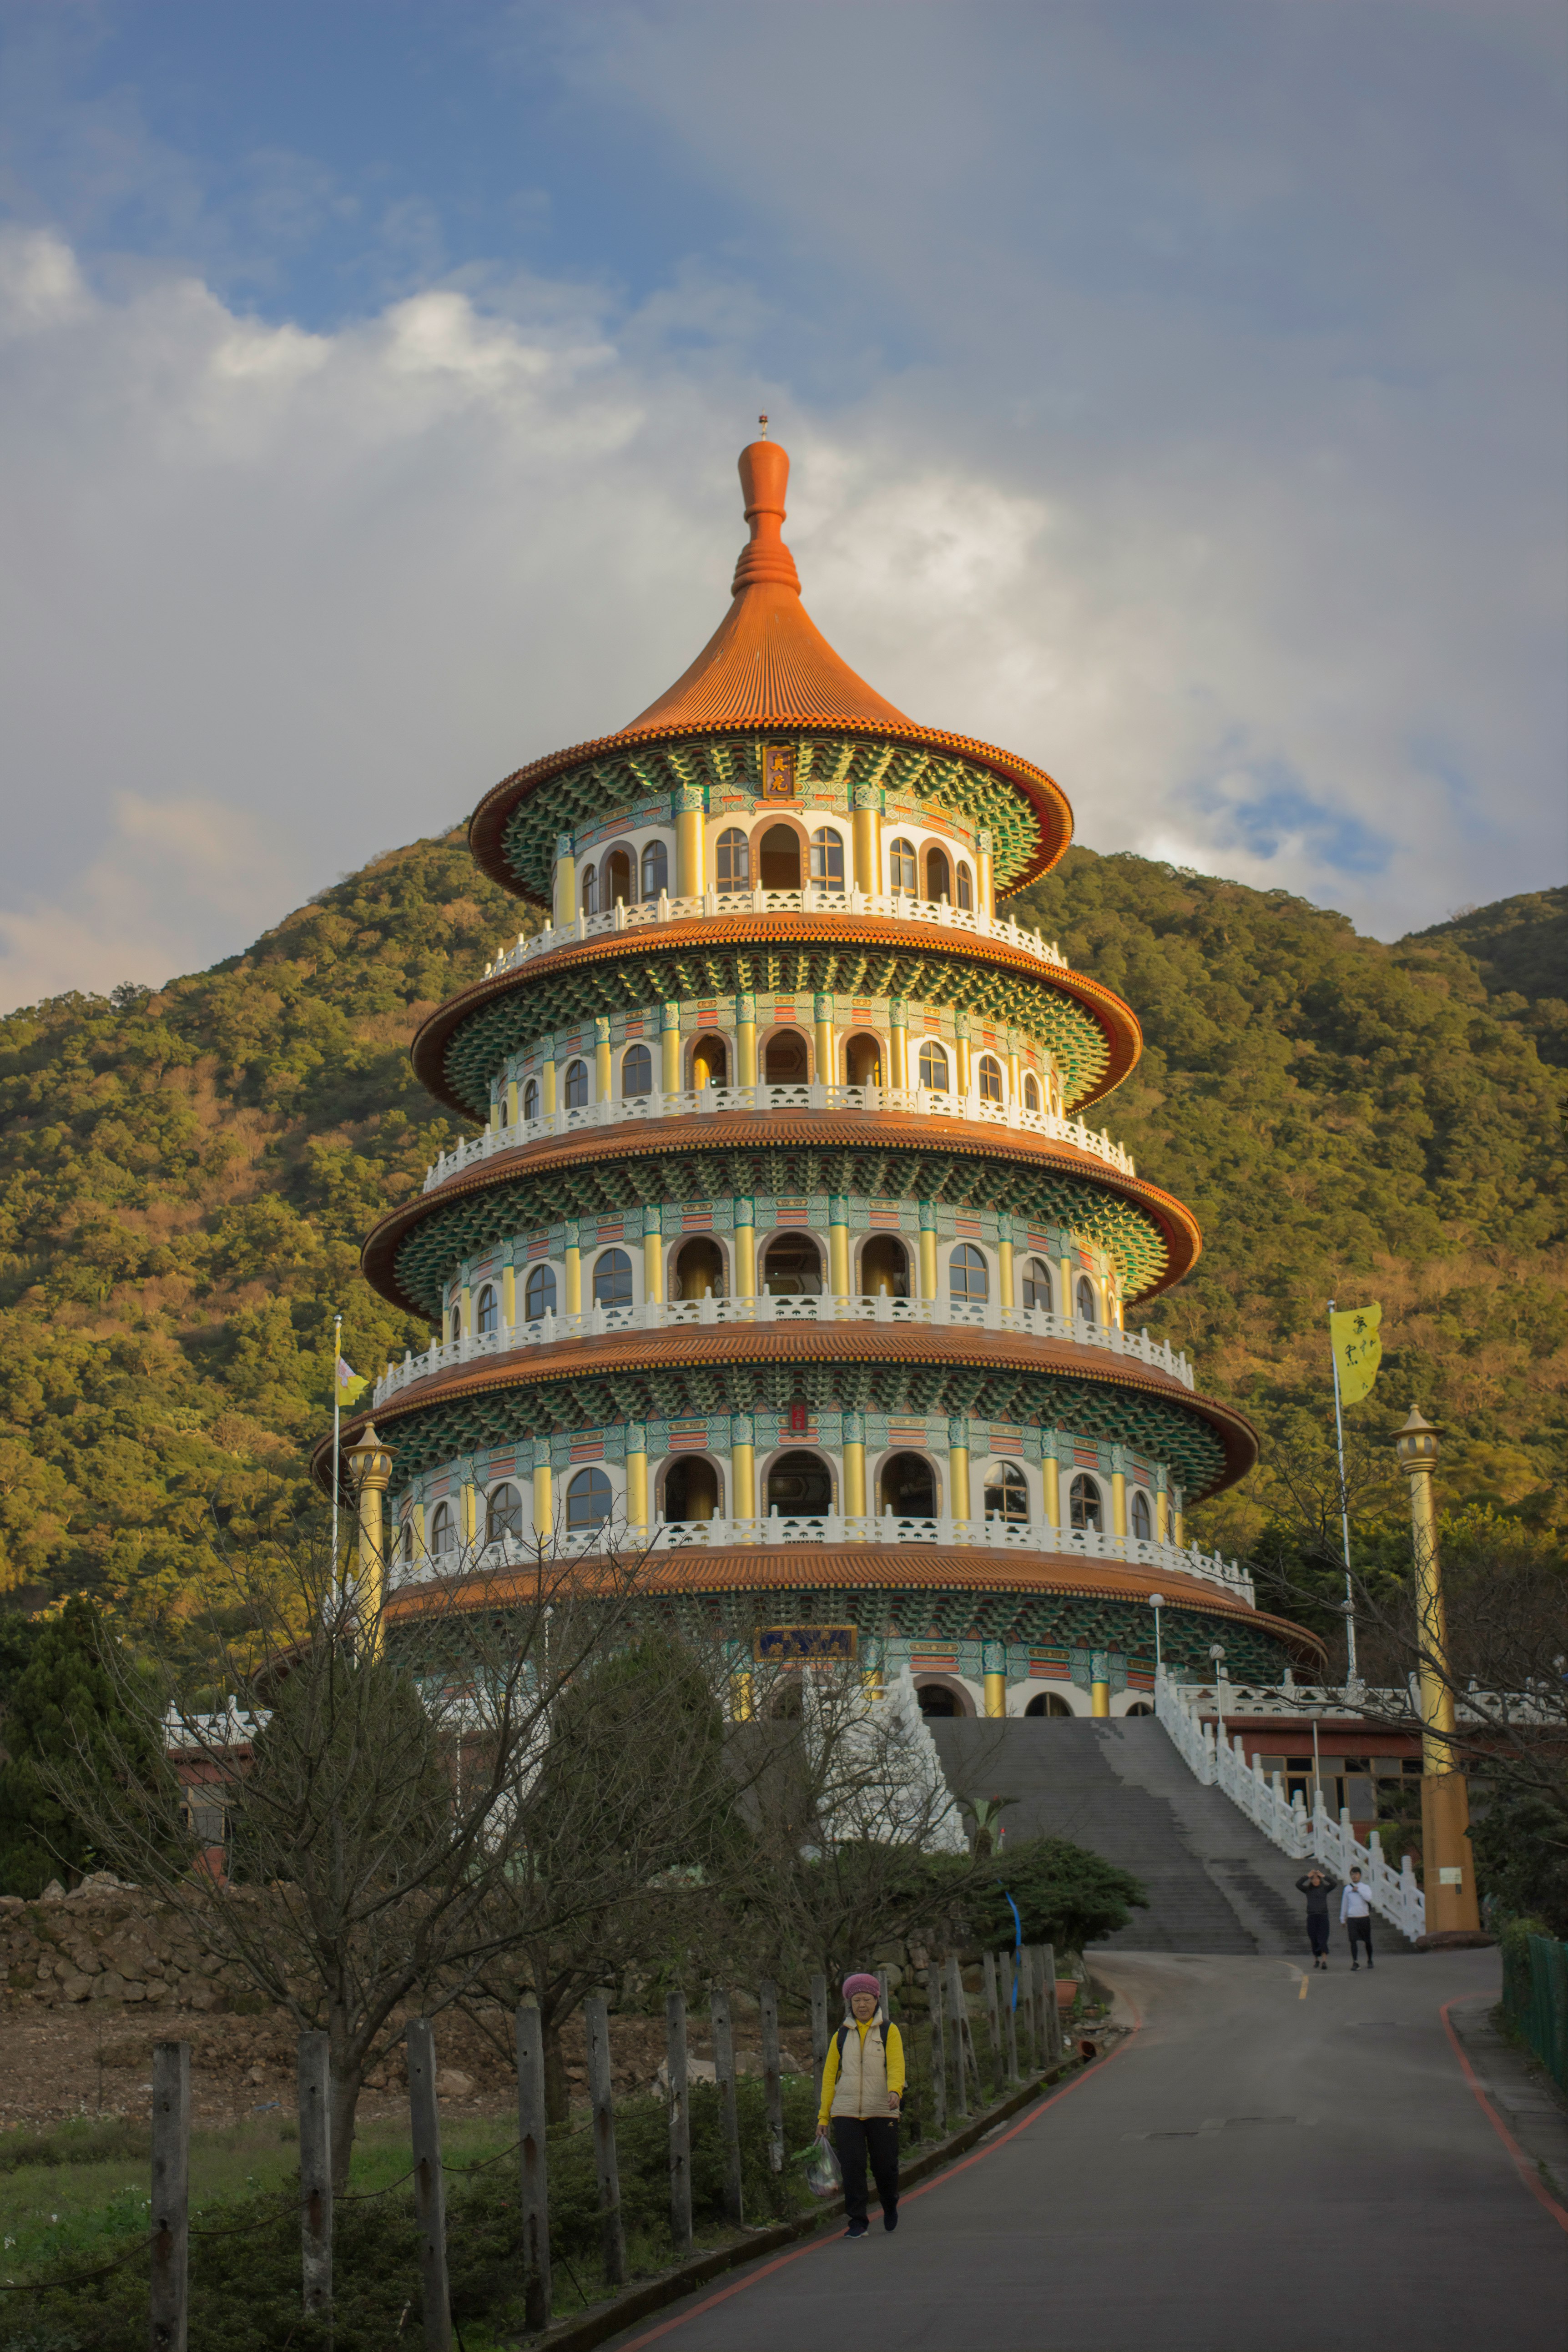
(1256, 2170)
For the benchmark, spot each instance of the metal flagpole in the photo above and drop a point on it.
(1351, 1675)
(337, 1412)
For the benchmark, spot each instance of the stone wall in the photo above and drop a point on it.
(111, 1943)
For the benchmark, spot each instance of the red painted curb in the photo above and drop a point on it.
(1527, 2172)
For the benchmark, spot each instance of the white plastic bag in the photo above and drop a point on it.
(823, 2177)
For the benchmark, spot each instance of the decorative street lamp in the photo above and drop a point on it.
(370, 1468)
(1217, 1652)
(1447, 1867)
(1157, 1603)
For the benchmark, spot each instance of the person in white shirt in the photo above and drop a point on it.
(1355, 1913)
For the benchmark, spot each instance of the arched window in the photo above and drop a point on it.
(901, 867)
(792, 1267)
(443, 1529)
(612, 1278)
(577, 1086)
(778, 859)
(590, 889)
(636, 1072)
(699, 1270)
(588, 1501)
(1084, 1507)
(827, 858)
(990, 1078)
(691, 1489)
(966, 1275)
(785, 1062)
(486, 1316)
(965, 886)
(710, 1063)
(655, 869)
(456, 1323)
(906, 1487)
(531, 1099)
(1142, 1518)
(884, 1268)
(1087, 1309)
(939, 875)
(1031, 1094)
(503, 1515)
(1048, 1703)
(800, 1486)
(539, 1293)
(617, 877)
(1035, 1283)
(1007, 1496)
(406, 1541)
(862, 1062)
(933, 1067)
(732, 860)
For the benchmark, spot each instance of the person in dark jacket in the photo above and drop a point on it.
(1317, 1890)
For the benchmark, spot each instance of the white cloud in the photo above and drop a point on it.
(272, 600)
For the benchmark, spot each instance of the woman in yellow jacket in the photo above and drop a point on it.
(862, 2088)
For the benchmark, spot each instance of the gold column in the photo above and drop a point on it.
(1015, 1078)
(743, 1479)
(994, 1667)
(637, 1479)
(928, 1264)
(1070, 1305)
(1099, 1698)
(1161, 1516)
(1119, 1503)
(689, 853)
(958, 1478)
(509, 1295)
(854, 1478)
(497, 1112)
(512, 1110)
(746, 1041)
(838, 1256)
(652, 1265)
(670, 1049)
(1178, 1525)
(465, 1308)
(743, 1689)
(960, 1056)
(745, 1249)
(985, 875)
(573, 1279)
(1448, 1870)
(370, 1469)
(564, 895)
(544, 1514)
(547, 1084)
(602, 1060)
(1005, 1273)
(822, 1028)
(868, 850)
(1052, 1481)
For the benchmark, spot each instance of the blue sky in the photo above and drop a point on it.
(1175, 394)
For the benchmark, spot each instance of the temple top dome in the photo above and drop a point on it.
(767, 661)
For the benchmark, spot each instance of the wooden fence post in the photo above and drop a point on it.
(938, 2054)
(1039, 2030)
(315, 2072)
(680, 2122)
(169, 2303)
(772, 2079)
(959, 2007)
(819, 2033)
(724, 2070)
(1053, 2008)
(1010, 2016)
(993, 2022)
(601, 2090)
(533, 2142)
(429, 2184)
(1024, 1978)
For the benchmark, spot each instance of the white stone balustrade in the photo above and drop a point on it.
(712, 1102)
(1306, 1837)
(676, 1315)
(986, 1535)
(895, 905)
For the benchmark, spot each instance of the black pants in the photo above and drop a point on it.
(1318, 1933)
(1360, 1933)
(877, 2139)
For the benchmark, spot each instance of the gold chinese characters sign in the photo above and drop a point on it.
(807, 1645)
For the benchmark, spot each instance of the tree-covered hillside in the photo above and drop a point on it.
(184, 1178)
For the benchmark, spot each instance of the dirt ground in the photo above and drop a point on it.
(92, 2058)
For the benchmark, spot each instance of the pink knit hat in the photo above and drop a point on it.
(852, 1984)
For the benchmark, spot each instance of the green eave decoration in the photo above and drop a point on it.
(473, 1223)
(645, 975)
(423, 1436)
(836, 763)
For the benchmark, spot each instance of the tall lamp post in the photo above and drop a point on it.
(1217, 1652)
(1157, 1603)
(1448, 1865)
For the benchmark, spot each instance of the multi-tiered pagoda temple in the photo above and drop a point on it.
(783, 1246)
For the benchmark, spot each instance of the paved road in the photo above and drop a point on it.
(1256, 2171)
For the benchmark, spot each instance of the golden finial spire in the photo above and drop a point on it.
(763, 421)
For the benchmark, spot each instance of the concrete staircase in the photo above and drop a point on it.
(1215, 1884)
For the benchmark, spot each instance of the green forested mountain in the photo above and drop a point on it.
(184, 1178)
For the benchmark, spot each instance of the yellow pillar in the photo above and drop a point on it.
(854, 1478)
(1447, 1871)
(961, 1057)
(1052, 1471)
(1005, 1273)
(838, 1260)
(1178, 1527)
(958, 1478)
(743, 1703)
(1069, 1304)
(869, 850)
(689, 853)
(822, 1028)
(547, 1088)
(370, 1472)
(465, 1308)
(511, 1111)
(509, 1295)
(544, 1514)
(898, 1054)
(636, 1487)
(746, 1250)
(985, 875)
(1099, 1698)
(563, 910)
(928, 1264)
(653, 1267)
(468, 1514)
(496, 1112)
(1015, 1079)
(1161, 1516)
(743, 1479)
(669, 1052)
(746, 1043)
(602, 1069)
(1119, 1503)
(573, 1279)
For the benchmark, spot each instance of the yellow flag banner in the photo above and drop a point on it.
(1358, 1350)
(350, 1383)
